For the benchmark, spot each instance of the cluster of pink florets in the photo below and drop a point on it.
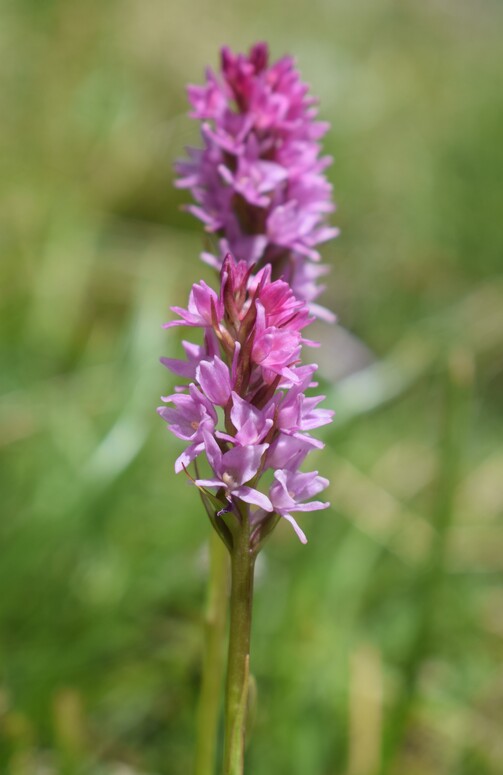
(258, 180)
(245, 405)
(243, 411)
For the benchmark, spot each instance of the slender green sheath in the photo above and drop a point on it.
(238, 666)
(213, 658)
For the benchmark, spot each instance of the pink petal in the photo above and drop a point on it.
(250, 495)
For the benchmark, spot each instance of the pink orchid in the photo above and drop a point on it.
(233, 469)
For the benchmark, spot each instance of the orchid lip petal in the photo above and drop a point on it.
(255, 497)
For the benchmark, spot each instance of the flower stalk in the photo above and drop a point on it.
(259, 187)
(238, 665)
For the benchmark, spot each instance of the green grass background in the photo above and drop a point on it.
(377, 648)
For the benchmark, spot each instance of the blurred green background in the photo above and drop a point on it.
(377, 647)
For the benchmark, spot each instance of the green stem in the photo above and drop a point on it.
(213, 658)
(238, 665)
